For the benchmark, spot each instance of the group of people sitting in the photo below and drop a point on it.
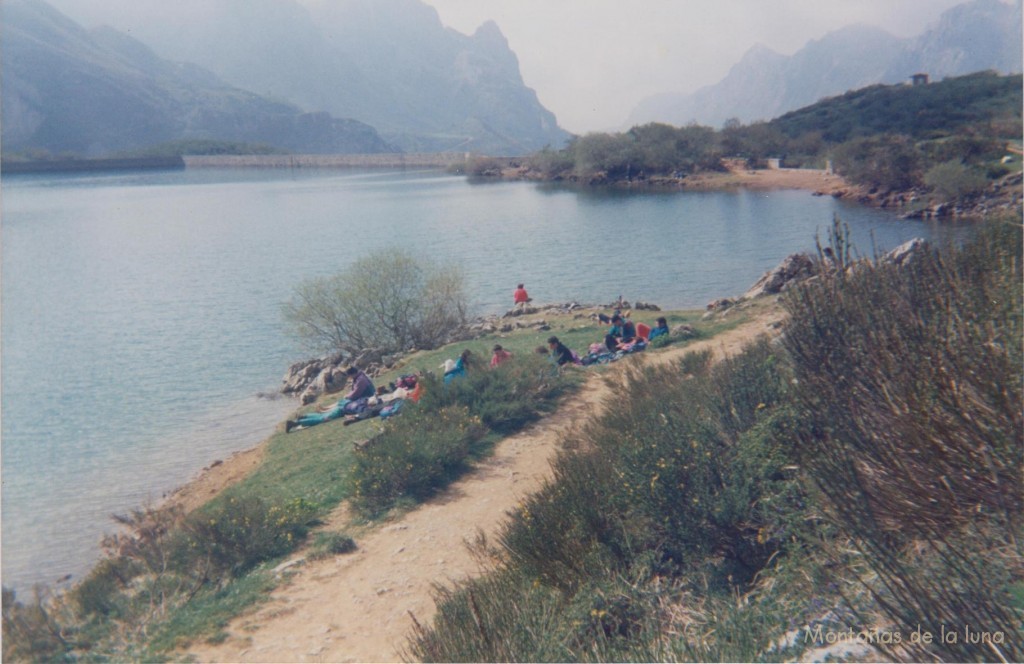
(622, 338)
(362, 401)
(623, 331)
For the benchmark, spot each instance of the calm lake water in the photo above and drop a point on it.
(141, 311)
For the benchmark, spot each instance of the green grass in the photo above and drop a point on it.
(208, 614)
(315, 463)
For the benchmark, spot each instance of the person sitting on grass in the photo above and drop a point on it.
(559, 351)
(362, 386)
(500, 355)
(623, 331)
(458, 368)
(661, 328)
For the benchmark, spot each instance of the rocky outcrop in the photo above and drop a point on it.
(798, 268)
(311, 378)
(1003, 195)
(905, 253)
(793, 268)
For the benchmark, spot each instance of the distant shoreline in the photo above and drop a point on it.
(84, 165)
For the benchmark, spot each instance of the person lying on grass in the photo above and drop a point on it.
(362, 388)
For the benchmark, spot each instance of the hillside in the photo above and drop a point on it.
(93, 93)
(976, 102)
(975, 36)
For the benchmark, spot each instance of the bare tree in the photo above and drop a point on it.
(388, 300)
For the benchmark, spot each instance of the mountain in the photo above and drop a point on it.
(974, 36)
(389, 63)
(92, 93)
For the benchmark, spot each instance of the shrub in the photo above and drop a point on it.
(679, 471)
(484, 166)
(890, 162)
(387, 300)
(35, 631)
(506, 398)
(414, 456)
(238, 534)
(550, 163)
(911, 396)
(331, 544)
(954, 180)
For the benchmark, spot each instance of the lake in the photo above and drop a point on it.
(141, 312)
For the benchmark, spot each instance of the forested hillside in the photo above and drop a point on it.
(949, 138)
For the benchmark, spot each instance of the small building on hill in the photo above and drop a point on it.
(919, 79)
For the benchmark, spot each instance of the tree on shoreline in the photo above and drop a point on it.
(388, 300)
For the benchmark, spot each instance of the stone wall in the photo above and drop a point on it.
(383, 160)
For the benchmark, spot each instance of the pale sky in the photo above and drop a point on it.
(592, 61)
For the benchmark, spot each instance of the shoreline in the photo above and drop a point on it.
(816, 181)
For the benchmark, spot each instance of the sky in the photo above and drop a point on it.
(592, 61)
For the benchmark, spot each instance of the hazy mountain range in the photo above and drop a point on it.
(266, 71)
(975, 36)
(93, 93)
(389, 63)
(386, 75)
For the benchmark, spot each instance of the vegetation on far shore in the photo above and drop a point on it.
(946, 139)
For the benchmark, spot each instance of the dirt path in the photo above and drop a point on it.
(356, 607)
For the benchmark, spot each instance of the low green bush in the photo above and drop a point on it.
(506, 398)
(238, 534)
(327, 544)
(414, 456)
(684, 477)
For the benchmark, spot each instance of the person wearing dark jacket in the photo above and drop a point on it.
(559, 351)
(362, 386)
(623, 331)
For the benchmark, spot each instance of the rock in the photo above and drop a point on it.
(367, 356)
(793, 268)
(903, 254)
(288, 565)
(683, 331)
(719, 304)
(329, 380)
(301, 374)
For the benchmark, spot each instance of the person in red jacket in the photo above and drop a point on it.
(500, 355)
(520, 297)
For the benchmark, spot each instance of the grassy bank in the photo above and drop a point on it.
(833, 495)
(169, 577)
